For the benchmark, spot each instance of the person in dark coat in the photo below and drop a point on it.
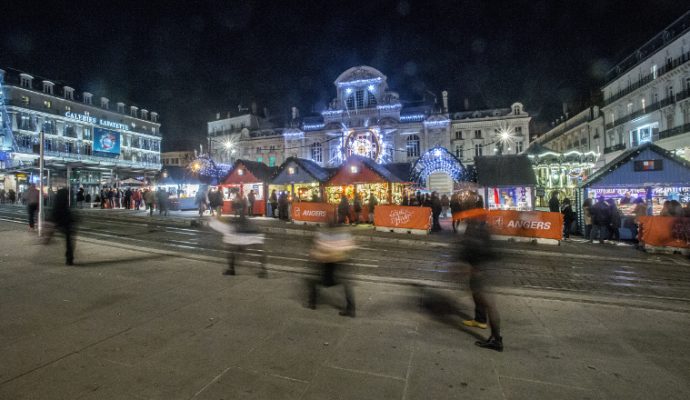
(476, 250)
(568, 217)
(64, 222)
(554, 204)
(80, 197)
(436, 209)
(601, 219)
(343, 210)
(251, 198)
(357, 207)
(615, 221)
(373, 202)
(283, 205)
(455, 207)
(273, 200)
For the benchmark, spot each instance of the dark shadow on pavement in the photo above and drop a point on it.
(445, 309)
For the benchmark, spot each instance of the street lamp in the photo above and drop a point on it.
(504, 136)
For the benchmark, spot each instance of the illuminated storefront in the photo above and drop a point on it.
(507, 182)
(247, 176)
(560, 172)
(302, 179)
(362, 176)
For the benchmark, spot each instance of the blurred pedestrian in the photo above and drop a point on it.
(614, 220)
(149, 200)
(357, 207)
(162, 201)
(343, 210)
(12, 196)
(373, 202)
(240, 235)
(445, 205)
(554, 204)
(273, 201)
(32, 199)
(455, 207)
(283, 205)
(332, 248)
(251, 199)
(80, 197)
(436, 209)
(587, 217)
(63, 222)
(201, 200)
(568, 218)
(601, 219)
(476, 250)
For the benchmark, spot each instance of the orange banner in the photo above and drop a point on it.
(665, 231)
(403, 217)
(534, 224)
(313, 212)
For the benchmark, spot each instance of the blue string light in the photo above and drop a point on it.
(438, 159)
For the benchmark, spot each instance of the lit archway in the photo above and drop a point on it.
(436, 163)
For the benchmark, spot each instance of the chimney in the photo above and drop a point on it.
(467, 104)
(295, 113)
(444, 94)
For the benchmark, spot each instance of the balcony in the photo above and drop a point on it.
(649, 109)
(76, 157)
(675, 63)
(674, 131)
(615, 147)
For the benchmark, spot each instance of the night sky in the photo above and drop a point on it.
(188, 61)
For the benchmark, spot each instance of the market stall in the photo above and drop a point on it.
(559, 172)
(647, 173)
(302, 179)
(360, 176)
(507, 182)
(245, 177)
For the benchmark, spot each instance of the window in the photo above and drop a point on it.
(458, 135)
(516, 110)
(642, 104)
(258, 150)
(48, 127)
(47, 103)
(478, 134)
(26, 100)
(669, 120)
(121, 108)
(271, 161)
(413, 146)
(154, 117)
(69, 131)
(371, 99)
(478, 150)
(360, 98)
(144, 114)
(105, 103)
(25, 80)
(518, 131)
(68, 92)
(669, 92)
(654, 72)
(350, 103)
(656, 97)
(459, 152)
(518, 147)
(68, 108)
(133, 111)
(630, 108)
(316, 153)
(47, 87)
(87, 98)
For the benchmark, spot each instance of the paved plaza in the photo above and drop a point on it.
(126, 323)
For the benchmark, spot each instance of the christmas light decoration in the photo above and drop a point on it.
(387, 107)
(438, 159)
(412, 118)
(437, 123)
(360, 82)
(313, 127)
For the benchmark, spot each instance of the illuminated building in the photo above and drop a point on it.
(88, 140)
(647, 95)
(368, 119)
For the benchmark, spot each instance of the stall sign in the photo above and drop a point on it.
(403, 217)
(534, 224)
(648, 165)
(665, 231)
(313, 212)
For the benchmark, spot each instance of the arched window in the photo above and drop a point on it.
(316, 154)
(413, 146)
(371, 99)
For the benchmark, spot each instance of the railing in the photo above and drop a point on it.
(675, 63)
(674, 131)
(615, 147)
(651, 108)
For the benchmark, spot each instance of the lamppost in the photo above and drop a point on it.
(40, 185)
(504, 136)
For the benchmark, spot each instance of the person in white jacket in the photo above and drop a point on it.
(239, 235)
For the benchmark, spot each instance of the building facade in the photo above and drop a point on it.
(177, 158)
(368, 119)
(89, 140)
(647, 95)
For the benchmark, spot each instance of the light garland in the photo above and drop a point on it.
(412, 118)
(360, 82)
(438, 159)
(387, 107)
(313, 127)
(331, 113)
(437, 123)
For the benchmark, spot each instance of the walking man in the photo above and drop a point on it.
(32, 199)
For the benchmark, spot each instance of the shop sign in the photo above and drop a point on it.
(402, 217)
(93, 120)
(533, 224)
(648, 165)
(313, 212)
(665, 231)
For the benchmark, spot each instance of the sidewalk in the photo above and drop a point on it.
(127, 324)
